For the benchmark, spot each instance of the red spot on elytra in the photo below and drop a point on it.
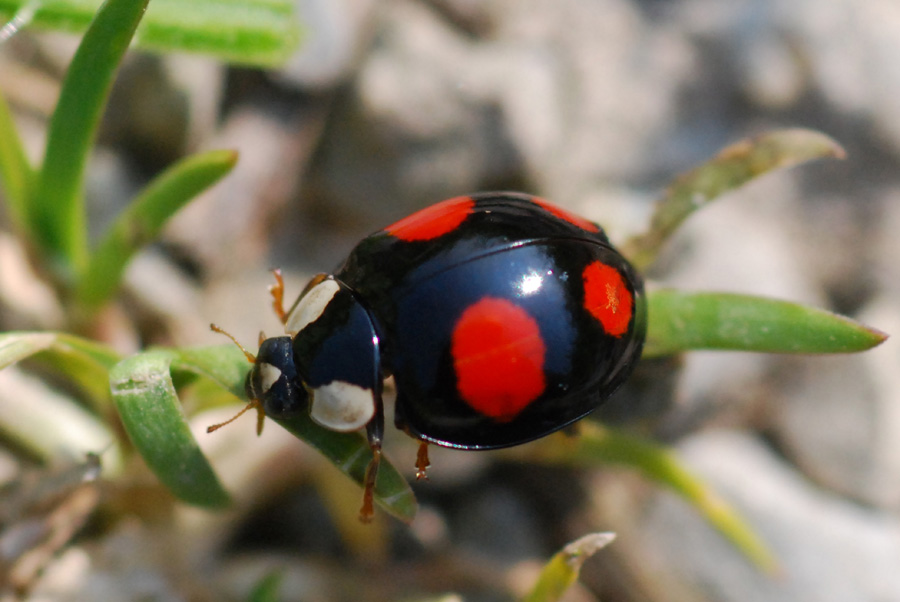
(562, 214)
(433, 221)
(498, 354)
(607, 298)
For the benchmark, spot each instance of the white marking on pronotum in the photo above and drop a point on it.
(268, 376)
(311, 306)
(342, 406)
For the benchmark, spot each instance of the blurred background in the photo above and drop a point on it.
(596, 105)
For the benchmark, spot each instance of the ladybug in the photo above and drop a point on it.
(502, 318)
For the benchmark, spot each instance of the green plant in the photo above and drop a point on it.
(46, 204)
(46, 207)
(250, 32)
(708, 321)
(563, 568)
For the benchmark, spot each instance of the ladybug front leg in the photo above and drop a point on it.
(374, 433)
(277, 292)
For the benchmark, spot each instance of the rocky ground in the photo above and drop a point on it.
(595, 104)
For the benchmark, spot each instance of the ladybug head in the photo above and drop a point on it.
(271, 385)
(327, 365)
(272, 381)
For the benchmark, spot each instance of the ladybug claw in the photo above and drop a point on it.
(367, 512)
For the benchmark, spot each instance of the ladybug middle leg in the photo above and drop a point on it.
(374, 433)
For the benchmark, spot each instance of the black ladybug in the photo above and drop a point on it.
(501, 317)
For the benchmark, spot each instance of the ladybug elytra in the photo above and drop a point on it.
(501, 317)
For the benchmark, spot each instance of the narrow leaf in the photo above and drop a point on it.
(259, 32)
(256, 32)
(84, 362)
(43, 421)
(223, 364)
(142, 221)
(58, 210)
(16, 346)
(597, 444)
(151, 414)
(733, 167)
(16, 173)
(49, 424)
(679, 321)
(562, 571)
(351, 454)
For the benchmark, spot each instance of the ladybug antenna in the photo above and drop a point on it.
(260, 417)
(254, 403)
(250, 357)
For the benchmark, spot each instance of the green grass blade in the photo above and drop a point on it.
(16, 346)
(58, 212)
(16, 173)
(253, 32)
(142, 221)
(562, 571)
(84, 363)
(350, 452)
(223, 364)
(151, 413)
(597, 445)
(679, 321)
(257, 32)
(48, 424)
(733, 167)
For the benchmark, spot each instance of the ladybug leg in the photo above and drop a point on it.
(277, 292)
(375, 433)
(422, 462)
